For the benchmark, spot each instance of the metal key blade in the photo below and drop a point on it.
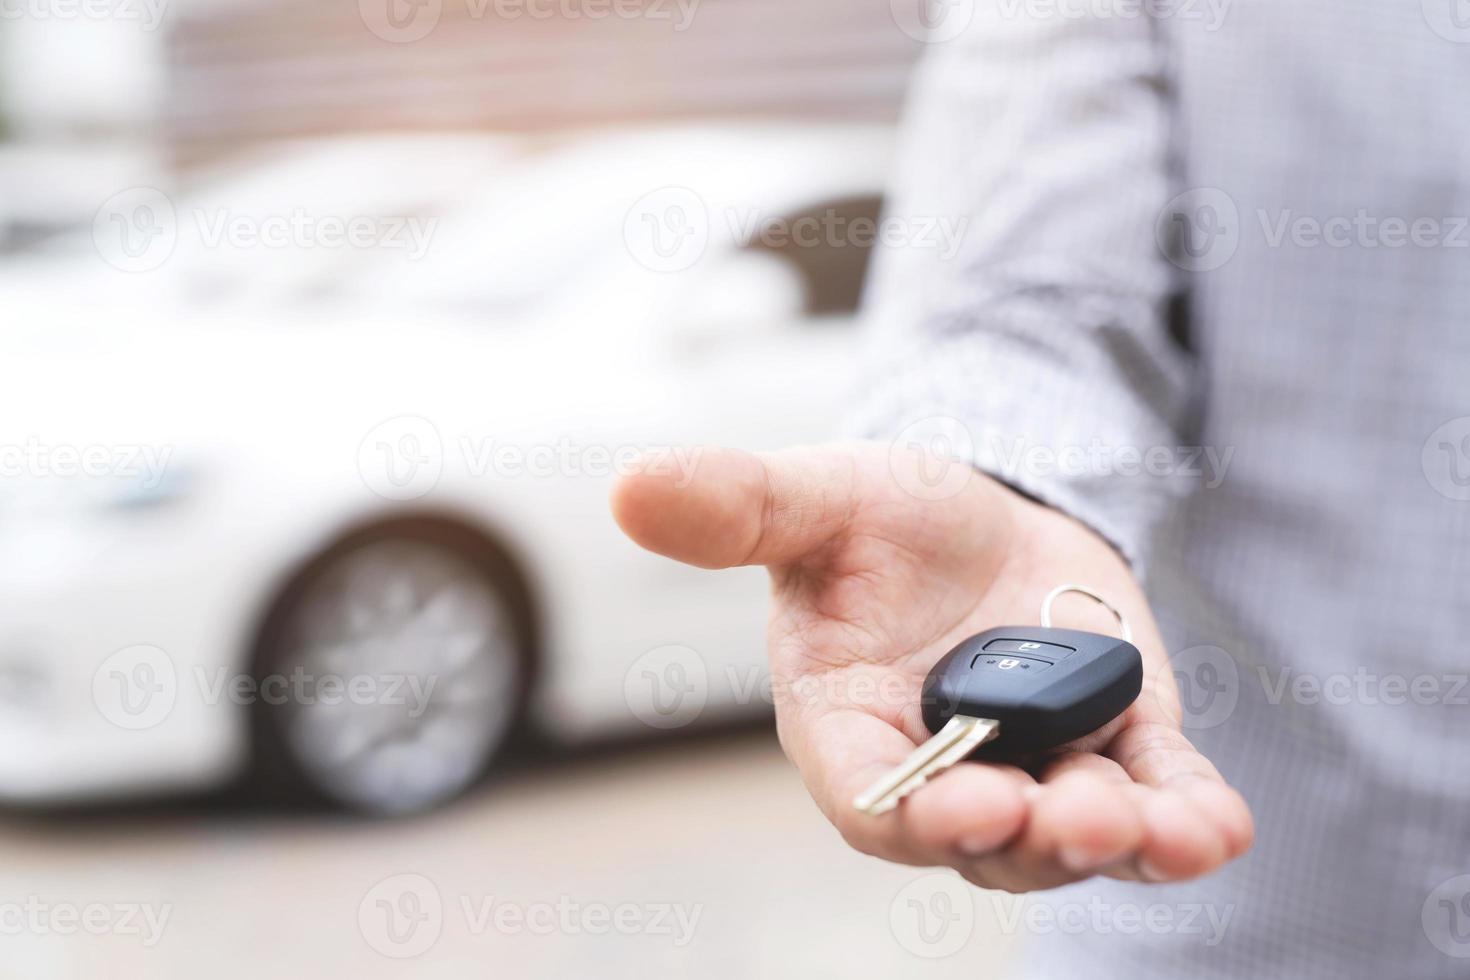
(960, 736)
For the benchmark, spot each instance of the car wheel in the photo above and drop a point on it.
(392, 671)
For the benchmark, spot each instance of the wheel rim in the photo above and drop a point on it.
(404, 672)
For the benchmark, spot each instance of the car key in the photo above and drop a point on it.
(1021, 689)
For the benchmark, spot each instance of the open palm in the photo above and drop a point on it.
(874, 579)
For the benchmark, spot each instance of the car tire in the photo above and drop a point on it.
(392, 670)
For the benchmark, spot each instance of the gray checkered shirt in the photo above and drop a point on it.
(1213, 298)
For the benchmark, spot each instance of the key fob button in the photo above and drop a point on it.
(1029, 648)
(1001, 661)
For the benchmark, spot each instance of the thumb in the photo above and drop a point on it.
(739, 508)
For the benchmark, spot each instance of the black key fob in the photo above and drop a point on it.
(1045, 686)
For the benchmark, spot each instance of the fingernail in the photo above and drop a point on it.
(1078, 859)
(974, 846)
(1149, 872)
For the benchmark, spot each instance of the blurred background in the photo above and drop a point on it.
(327, 327)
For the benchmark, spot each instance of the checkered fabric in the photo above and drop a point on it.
(1213, 299)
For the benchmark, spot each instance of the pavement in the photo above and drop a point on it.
(702, 857)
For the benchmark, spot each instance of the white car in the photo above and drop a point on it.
(340, 519)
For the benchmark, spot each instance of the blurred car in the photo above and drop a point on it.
(241, 476)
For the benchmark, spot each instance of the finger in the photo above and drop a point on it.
(1221, 807)
(1077, 826)
(1082, 822)
(737, 508)
(1195, 820)
(1182, 842)
(970, 810)
(1126, 867)
(1180, 831)
(1227, 808)
(840, 753)
(1159, 755)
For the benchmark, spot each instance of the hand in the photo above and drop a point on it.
(872, 585)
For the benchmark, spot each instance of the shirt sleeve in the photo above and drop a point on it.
(1039, 322)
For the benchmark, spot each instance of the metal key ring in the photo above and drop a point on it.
(1062, 590)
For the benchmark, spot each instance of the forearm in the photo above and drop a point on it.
(1044, 334)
